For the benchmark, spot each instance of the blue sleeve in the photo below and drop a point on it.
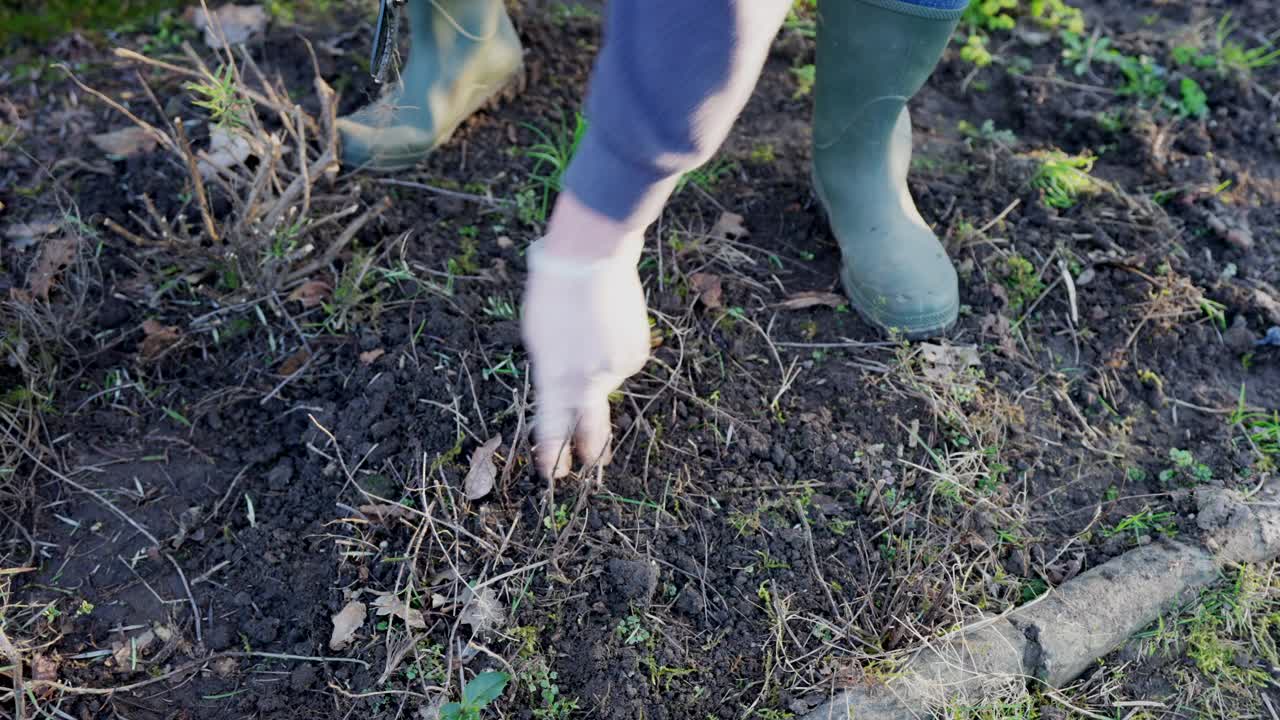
(668, 84)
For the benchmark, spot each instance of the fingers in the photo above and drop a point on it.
(571, 418)
(594, 433)
(556, 418)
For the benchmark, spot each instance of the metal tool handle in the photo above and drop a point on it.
(385, 34)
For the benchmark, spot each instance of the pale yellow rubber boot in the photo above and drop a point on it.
(462, 53)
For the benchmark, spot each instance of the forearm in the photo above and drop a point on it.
(668, 84)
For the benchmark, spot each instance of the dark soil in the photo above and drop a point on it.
(762, 541)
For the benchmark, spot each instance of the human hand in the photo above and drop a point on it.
(586, 329)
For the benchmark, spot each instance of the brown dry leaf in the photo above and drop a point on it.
(709, 288)
(943, 363)
(998, 325)
(237, 22)
(346, 623)
(55, 256)
(385, 512)
(294, 362)
(157, 338)
(391, 604)
(1269, 304)
(224, 667)
(813, 298)
(44, 668)
(311, 293)
(24, 235)
(729, 227)
(482, 473)
(367, 358)
(125, 142)
(126, 652)
(227, 148)
(482, 610)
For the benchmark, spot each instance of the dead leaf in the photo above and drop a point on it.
(943, 363)
(391, 604)
(998, 325)
(224, 667)
(311, 293)
(24, 235)
(813, 298)
(1064, 570)
(157, 338)
(227, 148)
(125, 142)
(729, 227)
(294, 362)
(709, 288)
(346, 623)
(367, 358)
(238, 23)
(385, 512)
(55, 255)
(482, 610)
(44, 668)
(128, 652)
(482, 473)
(1269, 304)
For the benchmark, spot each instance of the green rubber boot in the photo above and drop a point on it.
(462, 53)
(873, 55)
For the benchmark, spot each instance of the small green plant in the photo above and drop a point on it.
(662, 676)
(985, 16)
(1227, 55)
(805, 76)
(763, 154)
(802, 18)
(552, 154)
(1185, 466)
(221, 97)
(1023, 708)
(1063, 178)
(840, 527)
(975, 50)
(428, 664)
(991, 14)
(505, 367)
(744, 523)
(1262, 430)
(765, 561)
(1215, 311)
(1194, 102)
(169, 34)
(1079, 52)
(477, 694)
(632, 631)
(1112, 121)
(500, 308)
(1144, 78)
(1023, 282)
(553, 704)
(987, 132)
(557, 520)
(85, 608)
(707, 176)
(1144, 522)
